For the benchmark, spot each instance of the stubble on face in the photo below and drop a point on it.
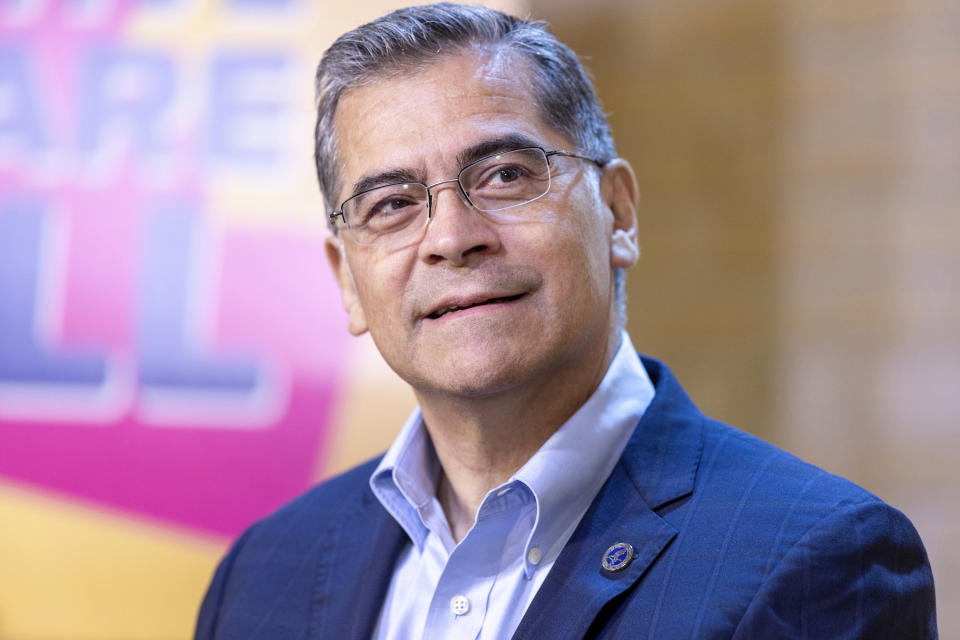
(548, 278)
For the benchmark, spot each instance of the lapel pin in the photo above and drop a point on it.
(617, 557)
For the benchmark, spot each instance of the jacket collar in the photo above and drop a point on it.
(664, 452)
(354, 569)
(658, 466)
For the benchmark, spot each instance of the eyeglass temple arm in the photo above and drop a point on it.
(570, 154)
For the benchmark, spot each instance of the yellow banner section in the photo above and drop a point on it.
(81, 573)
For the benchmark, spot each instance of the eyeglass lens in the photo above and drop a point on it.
(494, 183)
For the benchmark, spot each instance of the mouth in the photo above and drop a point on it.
(454, 307)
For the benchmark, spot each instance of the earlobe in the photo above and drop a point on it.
(357, 320)
(618, 188)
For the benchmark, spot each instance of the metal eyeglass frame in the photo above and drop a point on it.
(546, 154)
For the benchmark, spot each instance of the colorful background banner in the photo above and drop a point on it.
(173, 354)
(174, 360)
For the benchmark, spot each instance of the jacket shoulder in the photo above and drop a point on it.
(780, 545)
(739, 461)
(267, 577)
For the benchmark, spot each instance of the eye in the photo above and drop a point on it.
(501, 176)
(388, 208)
(507, 179)
(390, 205)
(508, 173)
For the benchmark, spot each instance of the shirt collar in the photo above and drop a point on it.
(564, 476)
(406, 478)
(567, 472)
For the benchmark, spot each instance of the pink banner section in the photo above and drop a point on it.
(205, 434)
(155, 354)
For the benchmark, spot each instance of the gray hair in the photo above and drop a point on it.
(409, 40)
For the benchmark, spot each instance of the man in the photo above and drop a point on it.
(551, 484)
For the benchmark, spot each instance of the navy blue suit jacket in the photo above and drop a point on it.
(734, 538)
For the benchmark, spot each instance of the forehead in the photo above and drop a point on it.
(419, 122)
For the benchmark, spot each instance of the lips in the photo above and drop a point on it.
(460, 305)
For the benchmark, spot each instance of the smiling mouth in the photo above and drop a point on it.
(452, 308)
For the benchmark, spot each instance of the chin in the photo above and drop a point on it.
(471, 377)
(474, 387)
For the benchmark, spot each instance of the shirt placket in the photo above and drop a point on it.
(462, 596)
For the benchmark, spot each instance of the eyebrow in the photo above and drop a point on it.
(485, 148)
(392, 176)
(482, 149)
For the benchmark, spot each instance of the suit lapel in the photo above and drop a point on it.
(577, 587)
(354, 572)
(657, 467)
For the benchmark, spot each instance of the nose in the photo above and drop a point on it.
(456, 233)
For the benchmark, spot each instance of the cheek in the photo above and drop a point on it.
(578, 277)
(583, 239)
(380, 283)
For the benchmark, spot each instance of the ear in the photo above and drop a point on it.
(357, 320)
(618, 188)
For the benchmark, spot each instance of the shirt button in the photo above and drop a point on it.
(534, 556)
(459, 605)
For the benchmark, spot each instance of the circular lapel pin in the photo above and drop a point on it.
(617, 557)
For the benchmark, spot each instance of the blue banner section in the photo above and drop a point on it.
(247, 94)
(169, 340)
(22, 121)
(24, 358)
(128, 89)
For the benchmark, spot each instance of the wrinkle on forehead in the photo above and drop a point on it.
(469, 82)
(492, 64)
(500, 64)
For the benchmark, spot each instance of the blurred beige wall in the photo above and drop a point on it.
(800, 221)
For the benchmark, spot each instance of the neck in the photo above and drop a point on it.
(482, 441)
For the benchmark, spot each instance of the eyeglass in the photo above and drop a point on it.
(494, 183)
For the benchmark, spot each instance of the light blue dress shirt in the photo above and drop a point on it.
(481, 587)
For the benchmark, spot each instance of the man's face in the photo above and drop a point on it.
(524, 299)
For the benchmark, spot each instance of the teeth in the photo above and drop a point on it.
(446, 310)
